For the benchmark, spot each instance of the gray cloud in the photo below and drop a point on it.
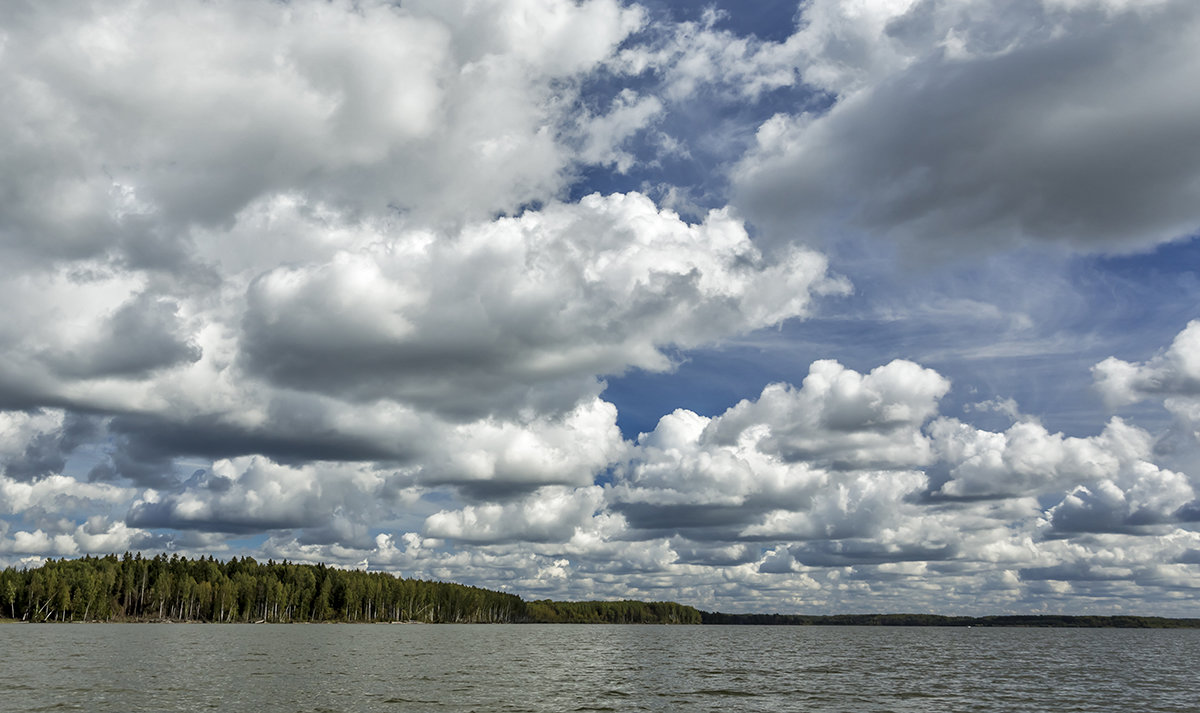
(843, 419)
(1172, 379)
(1150, 496)
(851, 553)
(553, 514)
(46, 452)
(1027, 458)
(1174, 372)
(790, 463)
(526, 308)
(1071, 126)
(37, 443)
(142, 335)
(704, 521)
(714, 556)
(252, 495)
(309, 100)
(300, 433)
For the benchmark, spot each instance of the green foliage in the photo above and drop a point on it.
(622, 612)
(133, 588)
(162, 588)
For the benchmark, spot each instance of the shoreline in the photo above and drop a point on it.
(1007, 621)
(136, 589)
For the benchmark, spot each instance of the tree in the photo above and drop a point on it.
(9, 591)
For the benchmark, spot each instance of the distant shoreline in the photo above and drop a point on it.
(174, 589)
(1009, 621)
(990, 621)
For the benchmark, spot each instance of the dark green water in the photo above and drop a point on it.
(404, 668)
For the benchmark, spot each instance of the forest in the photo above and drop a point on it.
(622, 612)
(162, 588)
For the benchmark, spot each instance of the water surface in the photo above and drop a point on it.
(347, 668)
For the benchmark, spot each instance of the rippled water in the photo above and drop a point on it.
(351, 668)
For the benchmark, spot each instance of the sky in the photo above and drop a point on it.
(818, 307)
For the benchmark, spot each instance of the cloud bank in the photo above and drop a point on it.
(334, 281)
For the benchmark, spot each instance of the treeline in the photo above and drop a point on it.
(623, 612)
(1046, 620)
(162, 588)
(134, 588)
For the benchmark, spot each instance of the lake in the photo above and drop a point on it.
(406, 668)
